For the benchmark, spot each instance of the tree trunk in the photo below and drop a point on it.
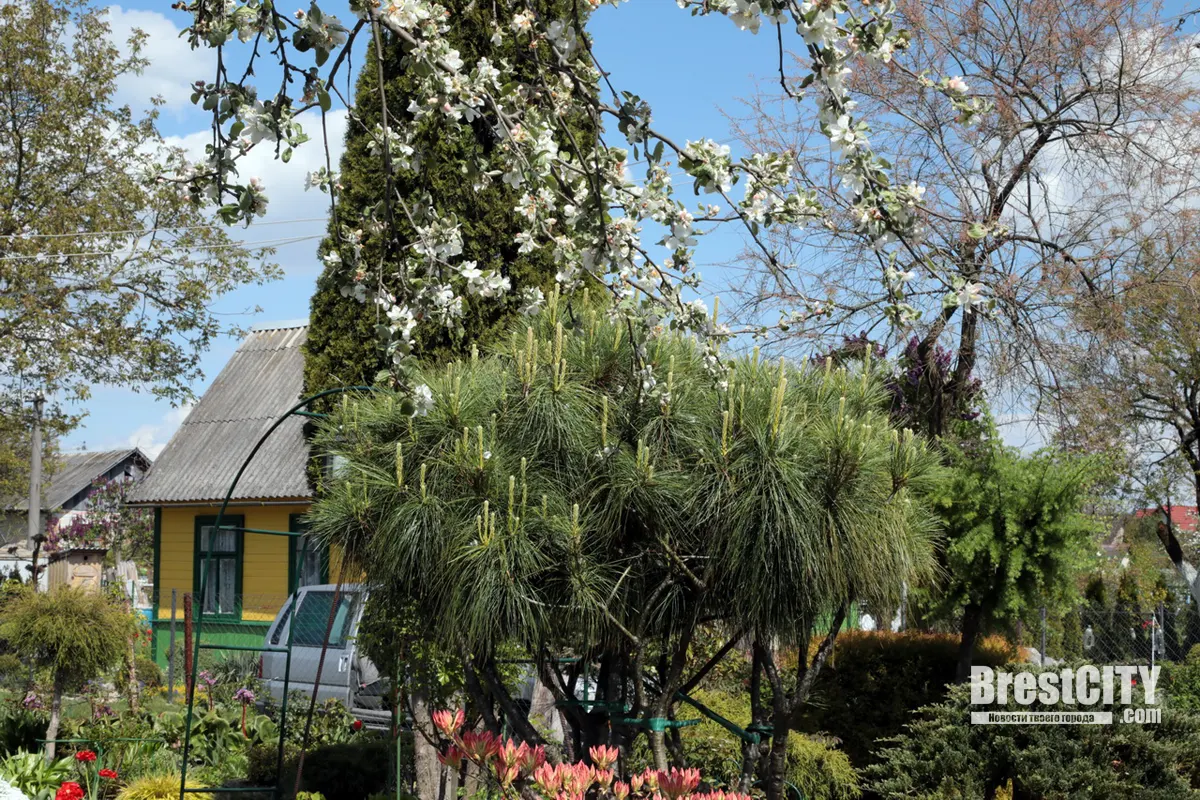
(133, 683)
(55, 717)
(425, 755)
(778, 757)
(752, 751)
(517, 720)
(658, 749)
(971, 623)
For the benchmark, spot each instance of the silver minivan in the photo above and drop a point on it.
(346, 675)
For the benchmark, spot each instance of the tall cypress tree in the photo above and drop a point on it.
(344, 340)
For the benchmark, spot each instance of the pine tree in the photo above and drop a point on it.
(344, 340)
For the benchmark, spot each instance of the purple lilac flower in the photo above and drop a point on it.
(244, 695)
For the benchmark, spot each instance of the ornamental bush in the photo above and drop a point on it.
(815, 764)
(876, 680)
(32, 774)
(74, 634)
(941, 755)
(160, 787)
(545, 498)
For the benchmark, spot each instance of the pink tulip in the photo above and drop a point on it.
(604, 756)
(449, 722)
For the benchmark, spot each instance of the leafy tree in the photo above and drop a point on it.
(458, 172)
(107, 267)
(1136, 391)
(76, 635)
(1015, 535)
(1001, 259)
(540, 498)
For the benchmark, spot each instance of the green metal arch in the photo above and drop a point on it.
(300, 410)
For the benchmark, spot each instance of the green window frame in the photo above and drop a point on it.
(226, 569)
(296, 523)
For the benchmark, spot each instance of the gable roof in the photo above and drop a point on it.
(76, 473)
(262, 380)
(1183, 518)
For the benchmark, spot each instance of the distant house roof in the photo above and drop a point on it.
(76, 473)
(1183, 518)
(262, 380)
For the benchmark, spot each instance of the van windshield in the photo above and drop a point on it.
(313, 617)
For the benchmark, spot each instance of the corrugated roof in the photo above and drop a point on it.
(75, 473)
(262, 380)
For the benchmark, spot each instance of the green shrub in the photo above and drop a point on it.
(21, 729)
(149, 675)
(1181, 682)
(875, 680)
(942, 756)
(347, 771)
(76, 635)
(819, 770)
(160, 787)
(38, 780)
(332, 723)
(263, 760)
(310, 796)
(815, 765)
(14, 675)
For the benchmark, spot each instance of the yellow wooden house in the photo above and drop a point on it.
(250, 573)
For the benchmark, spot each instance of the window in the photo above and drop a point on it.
(309, 566)
(283, 621)
(223, 588)
(312, 619)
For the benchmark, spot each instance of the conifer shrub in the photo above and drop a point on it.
(875, 680)
(942, 755)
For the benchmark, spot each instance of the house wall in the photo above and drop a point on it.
(264, 575)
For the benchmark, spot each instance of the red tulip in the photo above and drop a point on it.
(69, 791)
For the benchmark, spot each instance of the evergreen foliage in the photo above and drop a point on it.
(1015, 535)
(344, 341)
(943, 756)
(556, 500)
(160, 787)
(76, 635)
(875, 680)
(544, 489)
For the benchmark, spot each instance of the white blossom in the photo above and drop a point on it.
(422, 400)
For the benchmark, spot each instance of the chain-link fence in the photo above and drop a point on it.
(1106, 635)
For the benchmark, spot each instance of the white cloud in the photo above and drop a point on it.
(285, 186)
(174, 66)
(152, 438)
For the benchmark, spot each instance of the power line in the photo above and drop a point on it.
(148, 231)
(105, 253)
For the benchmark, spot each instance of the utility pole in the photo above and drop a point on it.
(35, 482)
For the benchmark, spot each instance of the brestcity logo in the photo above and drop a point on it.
(1084, 695)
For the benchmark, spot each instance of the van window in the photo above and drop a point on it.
(287, 613)
(313, 617)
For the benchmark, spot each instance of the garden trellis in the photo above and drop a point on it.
(301, 410)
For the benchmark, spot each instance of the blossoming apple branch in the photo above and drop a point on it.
(583, 205)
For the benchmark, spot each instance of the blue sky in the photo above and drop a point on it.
(689, 70)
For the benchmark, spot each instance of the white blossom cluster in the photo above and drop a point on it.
(584, 208)
(10, 792)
